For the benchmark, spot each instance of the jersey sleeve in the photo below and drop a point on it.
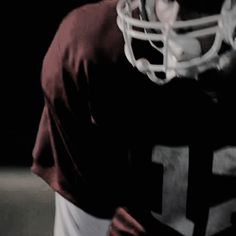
(64, 137)
(75, 155)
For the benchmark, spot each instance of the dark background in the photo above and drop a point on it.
(27, 32)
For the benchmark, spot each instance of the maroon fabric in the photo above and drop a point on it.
(68, 143)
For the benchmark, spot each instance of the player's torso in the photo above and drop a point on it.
(190, 189)
(185, 190)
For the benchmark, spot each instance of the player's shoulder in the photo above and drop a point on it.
(91, 31)
(89, 18)
(93, 10)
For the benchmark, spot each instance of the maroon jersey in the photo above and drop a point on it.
(103, 122)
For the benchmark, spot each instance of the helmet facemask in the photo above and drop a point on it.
(178, 41)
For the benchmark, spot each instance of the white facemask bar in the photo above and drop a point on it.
(127, 24)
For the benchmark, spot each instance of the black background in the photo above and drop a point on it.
(27, 31)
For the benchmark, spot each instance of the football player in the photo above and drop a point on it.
(119, 79)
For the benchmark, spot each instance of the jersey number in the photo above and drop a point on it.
(175, 190)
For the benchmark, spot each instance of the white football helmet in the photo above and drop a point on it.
(157, 22)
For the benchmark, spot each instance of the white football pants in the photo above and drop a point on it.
(72, 221)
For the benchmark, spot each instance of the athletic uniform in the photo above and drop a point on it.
(110, 137)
